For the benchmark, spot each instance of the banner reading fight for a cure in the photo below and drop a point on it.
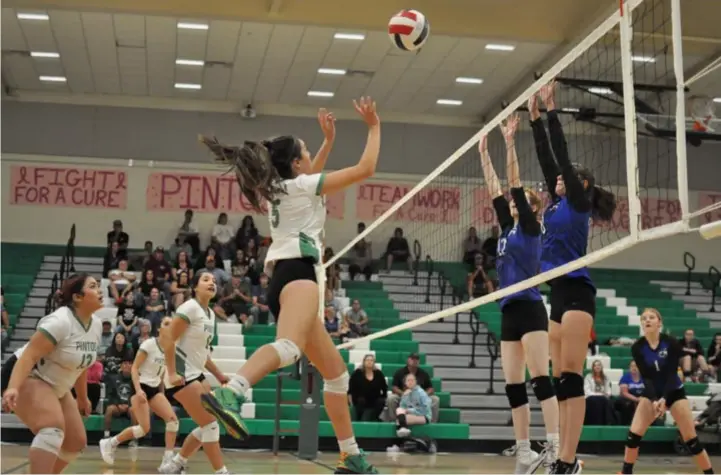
(68, 187)
(431, 205)
(210, 193)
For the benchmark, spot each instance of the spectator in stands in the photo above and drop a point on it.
(332, 301)
(209, 252)
(128, 318)
(421, 378)
(251, 253)
(154, 310)
(95, 377)
(260, 311)
(368, 390)
(235, 300)
(246, 232)
(356, 319)
(415, 407)
(121, 280)
(334, 325)
(398, 250)
(714, 354)
(118, 389)
(138, 261)
(117, 354)
(471, 247)
(263, 252)
(182, 264)
(5, 324)
(145, 333)
(221, 278)
(106, 339)
(180, 289)
(146, 285)
(631, 387)
(118, 235)
(597, 388)
(112, 257)
(189, 233)
(161, 270)
(221, 237)
(693, 362)
(332, 273)
(177, 247)
(240, 264)
(478, 282)
(361, 257)
(488, 249)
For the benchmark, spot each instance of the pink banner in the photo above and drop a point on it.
(654, 212)
(707, 199)
(68, 187)
(431, 205)
(210, 193)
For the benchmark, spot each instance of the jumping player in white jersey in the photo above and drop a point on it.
(186, 344)
(147, 373)
(54, 361)
(281, 172)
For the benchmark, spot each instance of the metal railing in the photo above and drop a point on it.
(293, 374)
(492, 346)
(429, 269)
(67, 268)
(711, 282)
(417, 251)
(689, 260)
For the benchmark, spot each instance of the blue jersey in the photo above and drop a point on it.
(658, 366)
(565, 237)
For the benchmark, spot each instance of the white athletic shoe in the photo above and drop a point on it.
(524, 460)
(172, 467)
(107, 451)
(166, 458)
(133, 450)
(403, 432)
(546, 458)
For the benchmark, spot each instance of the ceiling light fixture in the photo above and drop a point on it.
(349, 36)
(600, 90)
(33, 16)
(189, 62)
(182, 85)
(320, 94)
(463, 80)
(192, 26)
(41, 54)
(643, 59)
(496, 47)
(449, 102)
(53, 78)
(331, 71)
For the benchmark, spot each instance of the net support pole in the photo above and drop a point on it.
(631, 136)
(681, 159)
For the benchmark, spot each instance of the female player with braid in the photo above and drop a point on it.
(575, 201)
(657, 356)
(524, 324)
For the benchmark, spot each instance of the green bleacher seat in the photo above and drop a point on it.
(292, 412)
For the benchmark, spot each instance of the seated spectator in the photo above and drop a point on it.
(106, 339)
(368, 390)
(263, 252)
(489, 249)
(119, 236)
(145, 334)
(356, 319)
(138, 260)
(331, 300)
(221, 278)
(189, 233)
(260, 311)
(118, 389)
(178, 246)
(361, 257)
(693, 362)
(128, 318)
(334, 325)
(5, 324)
(146, 285)
(221, 238)
(422, 379)
(240, 264)
(478, 282)
(714, 354)
(415, 407)
(182, 264)
(251, 253)
(209, 252)
(597, 388)
(398, 250)
(95, 377)
(246, 232)
(112, 257)
(631, 387)
(154, 310)
(235, 300)
(471, 247)
(180, 289)
(161, 270)
(121, 280)
(117, 354)
(332, 273)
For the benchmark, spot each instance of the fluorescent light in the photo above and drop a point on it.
(53, 78)
(349, 36)
(469, 80)
(570, 109)
(643, 59)
(189, 62)
(600, 90)
(41, 54)
(449, 102)
(192, 26)
(717, 100)
(33, 16)
(320, 94)
(334, 72)
(182, 85)
(495, 47)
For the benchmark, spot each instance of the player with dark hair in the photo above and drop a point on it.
(575, 201)
(54, 362)
(281, 172)
(524, 323)
(657, 356)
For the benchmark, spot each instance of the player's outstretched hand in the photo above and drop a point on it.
(483, 146)
(366, 108)
(548, 95)
(510, 127)
(327, 124)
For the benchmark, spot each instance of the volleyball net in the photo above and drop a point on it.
(621, 100)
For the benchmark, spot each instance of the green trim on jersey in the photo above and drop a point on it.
(179, 365)
(319, 188)
(86, 328)
(308, 247)
(183, 316)
(48, 336)
(159, 347)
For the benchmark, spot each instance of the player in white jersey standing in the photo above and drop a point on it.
(281, 172)
(147, 373)
(54, 361)
(186, 344)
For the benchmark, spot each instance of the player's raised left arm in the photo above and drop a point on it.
(327, 125)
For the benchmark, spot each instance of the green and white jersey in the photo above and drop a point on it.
(152, 369)
(193, 348)
(297, 220)
(76, 348)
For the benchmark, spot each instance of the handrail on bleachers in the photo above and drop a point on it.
(67, 267)
(417, 251)
(689, 260)
(492, 346)
(711, 283)
(429, 269)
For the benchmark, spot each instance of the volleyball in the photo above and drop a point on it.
(408, 30)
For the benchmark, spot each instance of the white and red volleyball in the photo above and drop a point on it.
(408, 30)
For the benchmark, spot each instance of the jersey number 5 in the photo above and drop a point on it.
(275, 214)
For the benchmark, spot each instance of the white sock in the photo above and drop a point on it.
(168, 453)
(552, 439)
(239, 385)
(180, 459)
(222, 470)
(114, 441)
(524, 446)
(106, 434)
(349, 446)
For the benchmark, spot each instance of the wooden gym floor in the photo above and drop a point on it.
(14, 460)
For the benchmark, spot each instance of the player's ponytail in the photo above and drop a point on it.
(71, 287)
(603, 204)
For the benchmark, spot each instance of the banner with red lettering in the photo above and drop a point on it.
(68, 187)
(707, 199)
(211, 193)
(431, 205)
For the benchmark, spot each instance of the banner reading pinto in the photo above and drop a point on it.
(68, 187)
(210, 193)
(432, 205)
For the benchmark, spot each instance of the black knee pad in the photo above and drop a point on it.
(517, 395)
(402, 420)
(633, 440)
(542, 388)
(572, 385)
(694, 446)
(560, 395)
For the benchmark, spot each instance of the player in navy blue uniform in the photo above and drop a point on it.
(657, 356)
(575, 201)
(524, 324)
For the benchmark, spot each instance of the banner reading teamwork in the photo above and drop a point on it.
(431, 205)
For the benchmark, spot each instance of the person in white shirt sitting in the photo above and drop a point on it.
(597, 388)
(120, 280)
(222, 237)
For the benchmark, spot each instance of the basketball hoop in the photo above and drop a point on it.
(701, 111)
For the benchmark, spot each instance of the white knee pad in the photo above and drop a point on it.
(338, 385)
(211, 432)
(197, 433)
(288, 352)
(49, 439)
(68, 457)
(172, 426)
(138, 432)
